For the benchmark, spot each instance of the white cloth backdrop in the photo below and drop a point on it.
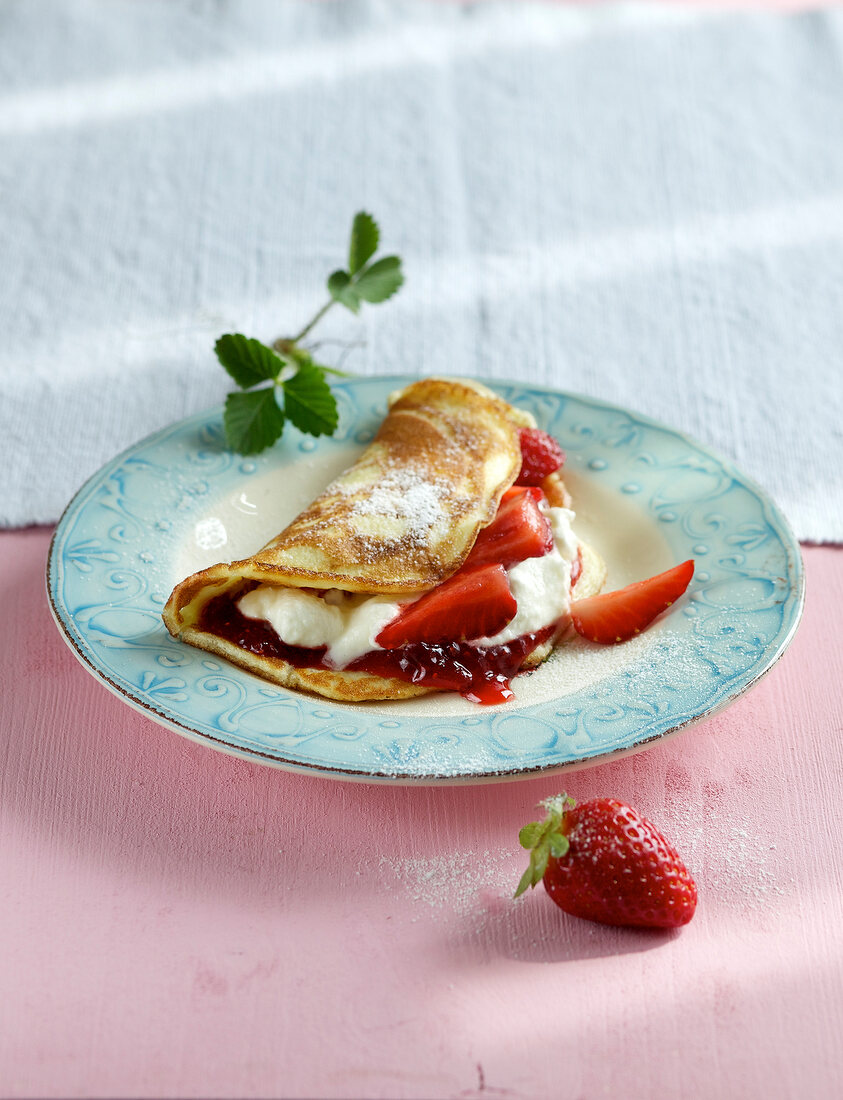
(640, 204)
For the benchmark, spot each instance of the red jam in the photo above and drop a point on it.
(480, 675)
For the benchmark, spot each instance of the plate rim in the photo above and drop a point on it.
(142, 706)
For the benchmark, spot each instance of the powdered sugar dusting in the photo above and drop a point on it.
(733, 865)
(407, 496)
(451, 883)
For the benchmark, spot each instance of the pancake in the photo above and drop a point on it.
(395, 525)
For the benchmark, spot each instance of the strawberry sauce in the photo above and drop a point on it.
(480, 675)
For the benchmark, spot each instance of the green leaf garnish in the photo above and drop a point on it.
(342, 290)
(253, 421)
(309, 403)
(380, 281)
(364, 241)
(248, 361)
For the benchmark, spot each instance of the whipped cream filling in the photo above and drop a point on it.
(348, 623)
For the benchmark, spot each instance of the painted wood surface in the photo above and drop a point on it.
(179, 923)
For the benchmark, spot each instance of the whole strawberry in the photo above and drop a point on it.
(600, 860)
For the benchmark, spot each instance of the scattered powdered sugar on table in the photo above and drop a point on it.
(728, 861)
(451, 883)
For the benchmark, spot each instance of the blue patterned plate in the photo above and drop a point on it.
(646, 497)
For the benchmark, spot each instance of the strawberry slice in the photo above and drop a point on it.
(540, 455)
(617, 616)
(474, 603)
(518, 531)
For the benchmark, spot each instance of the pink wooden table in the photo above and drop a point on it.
(180, 923)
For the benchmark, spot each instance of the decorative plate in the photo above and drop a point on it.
(646, 497)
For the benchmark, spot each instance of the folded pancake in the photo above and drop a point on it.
(395, 525)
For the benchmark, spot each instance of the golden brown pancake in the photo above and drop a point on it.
(400, 521)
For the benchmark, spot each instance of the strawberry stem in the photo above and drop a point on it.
(558, 804)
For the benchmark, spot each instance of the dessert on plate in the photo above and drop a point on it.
(443, 559)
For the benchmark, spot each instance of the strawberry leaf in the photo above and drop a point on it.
(364, 241)
(248, 361)
(559, 845)
(527, 881)
(380, 281)
(343, 291)
(528, 837)
(540, 857)
(308, 401)
(544, 839)
(536, 869)
(252, 421)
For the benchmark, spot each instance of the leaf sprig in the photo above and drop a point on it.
(286, 372)
(544, 839)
